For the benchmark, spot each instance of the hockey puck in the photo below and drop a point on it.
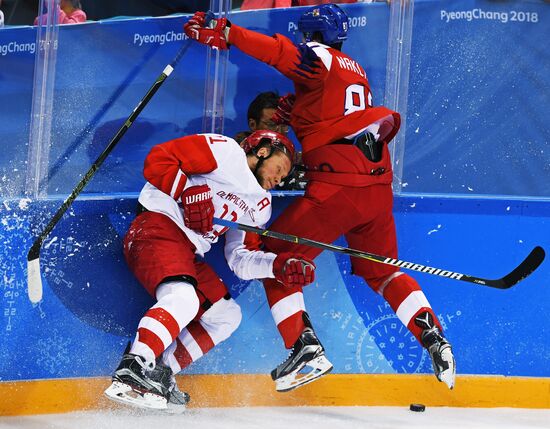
(417, 407)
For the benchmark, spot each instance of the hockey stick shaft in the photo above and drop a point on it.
(526, 267)
(33, 262)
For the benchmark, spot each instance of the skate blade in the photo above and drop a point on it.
(125, 394)
(175, 408)
(448, 378)
(448, 375)
(319, 367)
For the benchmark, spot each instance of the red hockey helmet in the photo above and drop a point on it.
(274, 139)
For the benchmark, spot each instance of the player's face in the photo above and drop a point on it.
(273, 170)
(266, 123)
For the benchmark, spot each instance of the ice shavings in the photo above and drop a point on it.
(434, 230)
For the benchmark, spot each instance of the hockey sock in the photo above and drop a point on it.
(287, 306)
(199, 337)
(177, 305)
(407, 300)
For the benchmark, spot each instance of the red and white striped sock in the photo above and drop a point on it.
(287, 306)
(406, 298)
(199, 337)
(177, 305)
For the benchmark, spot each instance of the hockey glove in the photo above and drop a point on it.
(281, 116)
(198, 209)
(293, 270)
(214, 33)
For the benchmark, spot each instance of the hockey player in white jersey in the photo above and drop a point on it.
(189, 181)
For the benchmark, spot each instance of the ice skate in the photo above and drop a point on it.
(307, 351)
(440, 350)
(177, 400)
(132, 386)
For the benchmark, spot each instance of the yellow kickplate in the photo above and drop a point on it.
(65, 395)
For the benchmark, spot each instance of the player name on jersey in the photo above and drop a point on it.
(348, 64)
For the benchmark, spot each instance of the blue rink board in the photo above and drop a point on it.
(461, 87)
(92, 303)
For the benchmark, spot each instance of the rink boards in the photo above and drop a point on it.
(92, 305)
(57, 356)
(249, 390)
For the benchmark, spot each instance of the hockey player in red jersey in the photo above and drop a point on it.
(189, 181)
(345, 151)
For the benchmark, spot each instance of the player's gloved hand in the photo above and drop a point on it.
(281, 116)
(198, 19)
(293, 270)
(198, 209)
(214, 33)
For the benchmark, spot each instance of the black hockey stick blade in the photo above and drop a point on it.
(527, 266)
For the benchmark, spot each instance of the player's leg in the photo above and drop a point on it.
(315, 216)
(404, 295)
(218, 317)
(213, 323)
(162, 259)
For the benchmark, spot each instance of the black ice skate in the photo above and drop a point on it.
(438, 347)
(306, 351)
(177, 400)
(132, 385)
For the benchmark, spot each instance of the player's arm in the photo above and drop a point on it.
(167, 167)
(244, 257)
(247, 260)
(168, 164)
(298, 63)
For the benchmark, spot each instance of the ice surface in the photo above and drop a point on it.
(292, 417)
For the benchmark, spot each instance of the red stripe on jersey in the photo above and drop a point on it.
(182, 355)
(180, 185)
(152, 340)
(166, 319)
(195, 155)
(201, 336)
(190, 154)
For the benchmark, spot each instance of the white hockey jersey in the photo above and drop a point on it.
(219, 162)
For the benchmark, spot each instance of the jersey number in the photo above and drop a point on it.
(355, 99)
(224, 214)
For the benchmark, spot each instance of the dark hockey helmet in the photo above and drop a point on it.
(276, 141)
(329, 20)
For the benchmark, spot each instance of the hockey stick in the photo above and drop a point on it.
(526, 267)
(33, 258)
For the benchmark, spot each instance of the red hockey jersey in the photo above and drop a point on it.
(333, 98)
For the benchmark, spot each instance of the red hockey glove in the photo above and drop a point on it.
(293, 270)
(199, 18)
(213, 34)
(198, 209)
(281, 116)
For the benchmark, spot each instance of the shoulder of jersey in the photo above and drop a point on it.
(323, 52)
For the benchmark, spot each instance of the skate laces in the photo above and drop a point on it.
(432, 336)
(144, 365)
(290, 353)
